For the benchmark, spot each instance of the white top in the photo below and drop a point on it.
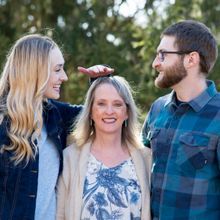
(111, 193)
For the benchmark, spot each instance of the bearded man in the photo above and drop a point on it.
(183, 127)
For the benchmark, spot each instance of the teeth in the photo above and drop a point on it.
(57, 86)
(109, 120)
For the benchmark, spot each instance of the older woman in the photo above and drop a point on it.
(106, 170)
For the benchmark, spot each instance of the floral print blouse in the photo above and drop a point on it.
(111, 193)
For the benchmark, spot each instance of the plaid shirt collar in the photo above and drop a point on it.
(200, 101)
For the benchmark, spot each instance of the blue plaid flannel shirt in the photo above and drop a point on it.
(185, 141)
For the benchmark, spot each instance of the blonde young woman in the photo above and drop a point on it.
(106, 171)
(33, 128)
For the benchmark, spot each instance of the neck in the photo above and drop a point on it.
(109, 149)
(110, 142)
(187, 90)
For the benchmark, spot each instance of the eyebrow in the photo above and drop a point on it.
(115, 100)
(161, 50)
(59, 65)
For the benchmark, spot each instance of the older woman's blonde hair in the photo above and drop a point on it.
(85, 131)
(22, 84)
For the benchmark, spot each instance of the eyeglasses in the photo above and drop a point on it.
(161, 53)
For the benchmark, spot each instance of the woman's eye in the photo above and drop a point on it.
(57, 70)
(101, 103)
(118, 104)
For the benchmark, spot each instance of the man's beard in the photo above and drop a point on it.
(171, 75)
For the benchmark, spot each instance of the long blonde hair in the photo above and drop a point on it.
(22, 85)
(84, 131)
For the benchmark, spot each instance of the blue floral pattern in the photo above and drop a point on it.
(111, 193)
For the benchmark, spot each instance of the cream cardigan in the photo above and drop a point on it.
(71, 181)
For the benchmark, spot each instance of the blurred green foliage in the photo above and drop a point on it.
(94, 32)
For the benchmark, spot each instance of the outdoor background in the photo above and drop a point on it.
(123, 34)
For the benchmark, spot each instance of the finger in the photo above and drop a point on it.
(88, 71)
(101, 70)
(95, 71)
(97, 68)
(108, 70)
(83, 70)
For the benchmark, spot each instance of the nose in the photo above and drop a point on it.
(156, 62)
(109, 109)
(64, 76)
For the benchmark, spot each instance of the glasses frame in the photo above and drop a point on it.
(161, 53)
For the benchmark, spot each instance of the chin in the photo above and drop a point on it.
(57, 97)
(53, 97)
(157, 83)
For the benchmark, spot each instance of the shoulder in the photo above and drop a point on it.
(75, 157)
(142, 159)
(146, 154)
(158, 106)
(71, 156)
(162, 100)
(215, 100)
(210, 97)
(143, 153)
(71, 152)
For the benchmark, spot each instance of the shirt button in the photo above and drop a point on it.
(157, 190)
(34, 171)
(32, 196)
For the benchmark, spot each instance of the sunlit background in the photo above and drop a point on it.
(121, 33)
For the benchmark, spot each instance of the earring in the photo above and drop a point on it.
(90, 122)
(126, 123)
